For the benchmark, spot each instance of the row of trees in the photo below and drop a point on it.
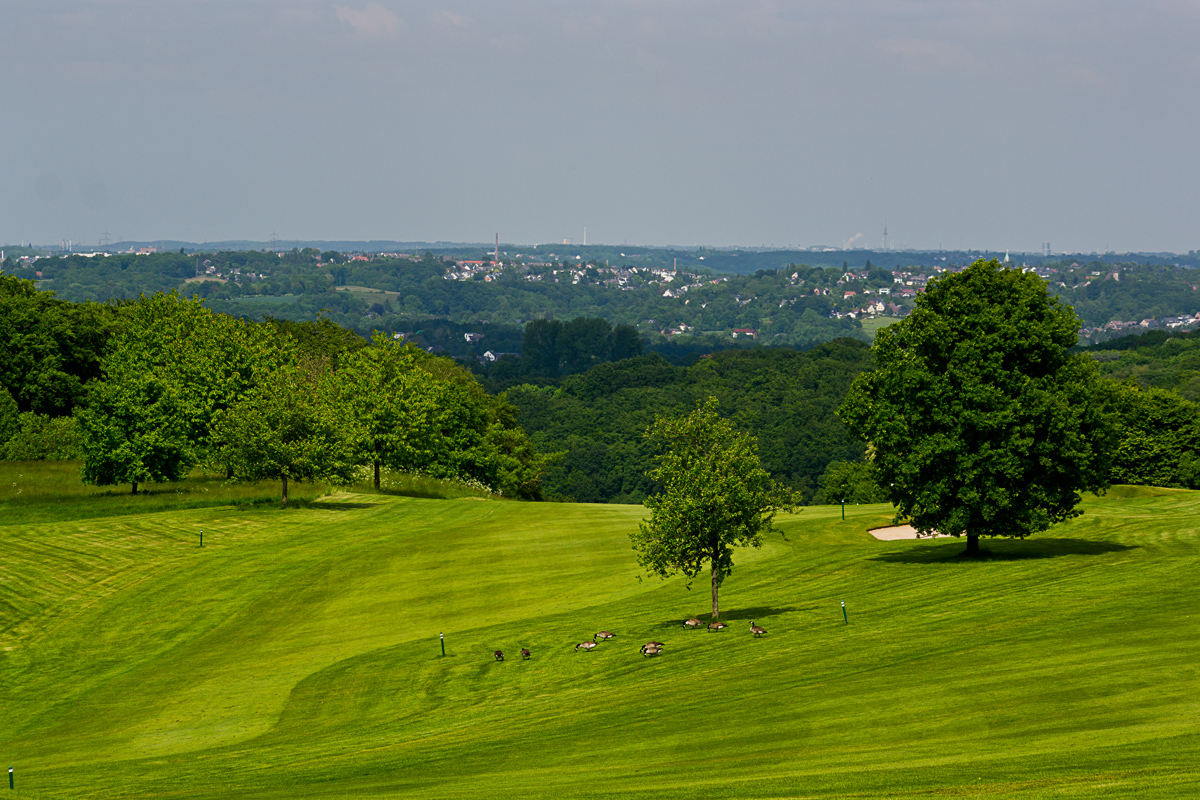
(181, 386)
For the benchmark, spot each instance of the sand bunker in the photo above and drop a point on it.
(900, 532)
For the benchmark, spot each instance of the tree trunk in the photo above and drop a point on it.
(285, 491)
(135, 487)
(377, 474)
(973, 544)
(716, 585)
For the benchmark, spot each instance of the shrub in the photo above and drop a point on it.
(43, 438)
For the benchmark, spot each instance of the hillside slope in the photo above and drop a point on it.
(296, 654)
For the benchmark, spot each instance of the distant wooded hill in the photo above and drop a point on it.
(786, 398)
(1157, 359)
(441, 298)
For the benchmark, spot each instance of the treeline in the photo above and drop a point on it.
(50, 348)
(175, 386)
(1154, 400)
(787, 305)
(145, 389)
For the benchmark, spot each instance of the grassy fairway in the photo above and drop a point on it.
(296, 654)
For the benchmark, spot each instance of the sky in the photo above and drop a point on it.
(957, 124)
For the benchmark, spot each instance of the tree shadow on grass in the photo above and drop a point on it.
(954, 552)
(321, 505)
(755, 613)
(424, 494)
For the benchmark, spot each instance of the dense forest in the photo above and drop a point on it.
(1157, 359)
(786, 398)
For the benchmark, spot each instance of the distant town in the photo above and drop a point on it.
(791, 298)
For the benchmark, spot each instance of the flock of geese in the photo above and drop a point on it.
(649, 648)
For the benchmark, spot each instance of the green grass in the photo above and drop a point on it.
(365, 291)
(273, 299)
(873, 324)
(296, 655)
(51, 491)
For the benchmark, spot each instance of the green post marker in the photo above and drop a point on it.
(845, 618)
(442, 636)
(202, 537)
(843, 511)
(10, 778)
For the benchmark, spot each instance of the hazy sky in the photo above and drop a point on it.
(961, 124)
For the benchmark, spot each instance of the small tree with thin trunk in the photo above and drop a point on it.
(714, 496)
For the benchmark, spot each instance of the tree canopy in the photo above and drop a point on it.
(1158, 437)
(850, 482)
(169, 368)
(394, 402)
(287, 428)
(714, 496)
(980, 420)
(786, 399)
(52, 348)
(9, 422)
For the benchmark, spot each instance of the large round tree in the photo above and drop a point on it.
(979, 419)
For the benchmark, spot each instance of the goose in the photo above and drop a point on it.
(651, 651)
(524, 652)
(603, 635)
(717, 626)
(652, 646)
(499, 654)
(585, 645)
(693, 623)
(757, 631)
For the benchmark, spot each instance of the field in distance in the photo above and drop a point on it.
(296, 654)
(872, 325)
